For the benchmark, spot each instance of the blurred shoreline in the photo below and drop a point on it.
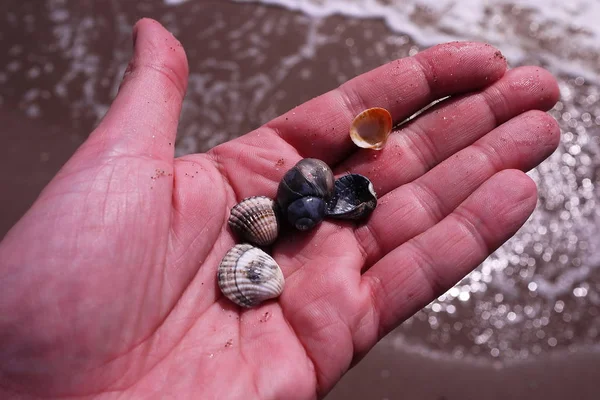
(390, 373)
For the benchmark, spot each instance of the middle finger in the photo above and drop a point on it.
(452, 126)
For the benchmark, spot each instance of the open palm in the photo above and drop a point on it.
(108, 283)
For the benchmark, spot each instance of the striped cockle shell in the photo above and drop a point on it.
(248, 276)
(255, 220)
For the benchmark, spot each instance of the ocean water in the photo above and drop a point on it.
(562, 33)
(253, 60)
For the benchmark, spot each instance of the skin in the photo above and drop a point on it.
(108, 283)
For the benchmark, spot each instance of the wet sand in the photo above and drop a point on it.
(32, 154)
(53, 91)
(390, 373)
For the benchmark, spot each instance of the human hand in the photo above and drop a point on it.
(108, 283)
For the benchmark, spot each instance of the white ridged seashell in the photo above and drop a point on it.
(255, 220)
(248, 276)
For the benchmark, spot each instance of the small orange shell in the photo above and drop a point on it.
(371, 128)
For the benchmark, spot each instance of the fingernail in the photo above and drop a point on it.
(130, 65)
(134, 34)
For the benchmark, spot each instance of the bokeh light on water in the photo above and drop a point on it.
(541, 290)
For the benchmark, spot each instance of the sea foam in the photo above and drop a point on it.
(561, 34)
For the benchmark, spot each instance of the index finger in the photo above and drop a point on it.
(319, 128)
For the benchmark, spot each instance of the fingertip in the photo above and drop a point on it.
(524, 187)
(537, 81)
(550, 89)
(519, 194)
(549, 85)
(483, 63)
(157, 48)
(546, 127)
(143, 118)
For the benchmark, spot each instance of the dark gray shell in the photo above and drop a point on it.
(255, 220)
(248, 276)
(304, 191)
(354, 198)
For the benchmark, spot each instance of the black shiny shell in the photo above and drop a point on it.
(354, 198)
(306, 212)
(309, 178)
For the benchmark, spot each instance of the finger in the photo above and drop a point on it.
(420, 270)
(319, 128)
(411, 209)
(403, 87)
(142, 120)
(451, 126)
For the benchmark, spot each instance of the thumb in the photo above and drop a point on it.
(142, 121)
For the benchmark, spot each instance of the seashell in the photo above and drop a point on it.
(248, 276)
(303, 193)
(354, 198)
(371, 128)
(255, 220)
